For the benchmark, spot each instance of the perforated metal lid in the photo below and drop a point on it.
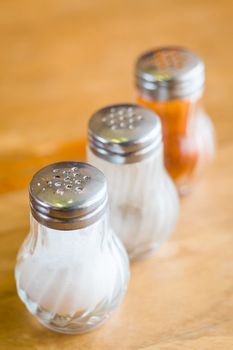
(68, 195)
(124, 133)
(169, 72)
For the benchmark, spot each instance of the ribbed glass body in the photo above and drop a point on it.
(72, 280)
(188, 136)
(144, 204)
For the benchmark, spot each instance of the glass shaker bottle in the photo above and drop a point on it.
(71, 270)
(170, 81)
(125, 142)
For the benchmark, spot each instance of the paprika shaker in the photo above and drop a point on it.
(170, 81)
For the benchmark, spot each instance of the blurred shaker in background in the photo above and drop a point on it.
(170, 81)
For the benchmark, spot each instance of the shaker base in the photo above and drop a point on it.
(184, 190)
(87, 329)
(142, 254)
(83, 323)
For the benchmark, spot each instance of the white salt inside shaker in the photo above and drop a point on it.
(125, 142)
(71, 271)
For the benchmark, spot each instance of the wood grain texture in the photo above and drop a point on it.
(61, 60)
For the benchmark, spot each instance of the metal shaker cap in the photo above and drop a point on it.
(124, 133)
(169, 72)
(68, 195)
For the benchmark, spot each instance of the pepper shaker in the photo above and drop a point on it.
(125, 142)
(71, 271)
(170, 81)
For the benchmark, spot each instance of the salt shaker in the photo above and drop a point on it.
(125, 142)
(71, 271)
(170, 81)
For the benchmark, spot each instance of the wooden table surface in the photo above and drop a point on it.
(60, 61)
